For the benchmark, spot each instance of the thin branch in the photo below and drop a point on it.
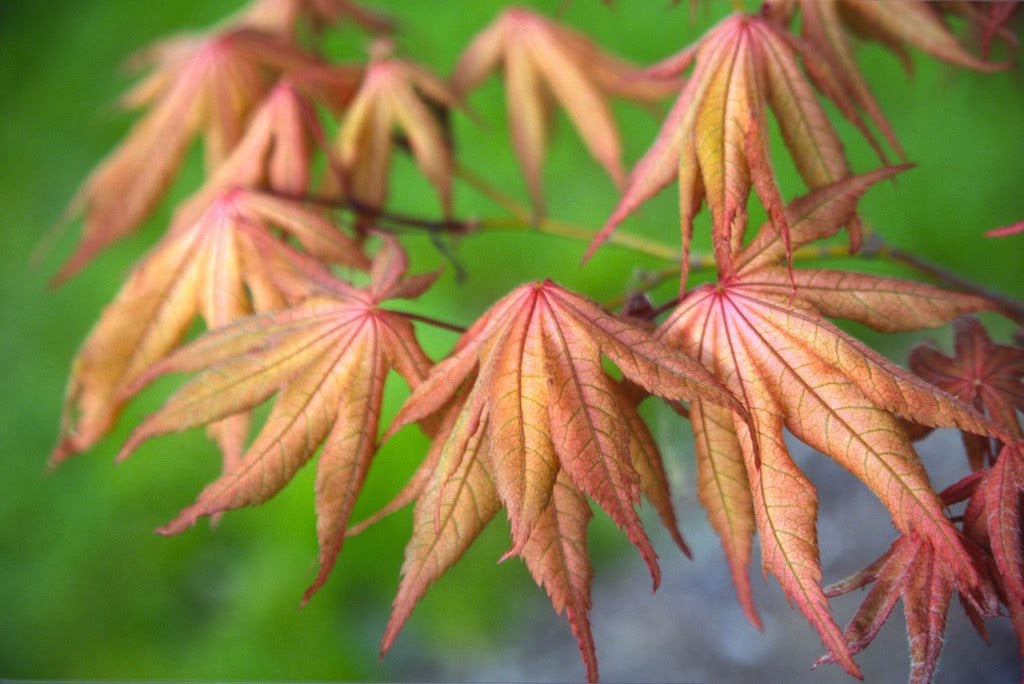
(404, 220)
(430, 321)
(1009, 307)
(525, 220)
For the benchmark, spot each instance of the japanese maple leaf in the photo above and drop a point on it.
(326, 359)
(537, 425)
(227, 263)
(913, 571)
(984, 374)
(394, 92)
(715, 137)
(989, 377)
(205, 84)
(763, 331)
(544, 61)
(277, 151)
(284, 16)
(1013, 229)
(827, 25)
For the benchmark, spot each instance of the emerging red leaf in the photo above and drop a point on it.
(912, 570)
(987, 376)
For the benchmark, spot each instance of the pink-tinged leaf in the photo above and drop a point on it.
(204, 269)
(1001, 491)
(588, 434)
(450, 513)
(647, 461)
(208, 85)
(915, 24)
(522, 457)
(717, 136)
(394, 94)
(770, 344)
(724, 490)
(326, 360)
(544, 61)
(816, 215)
(785, 507)
(1012, 229)
(556, 555)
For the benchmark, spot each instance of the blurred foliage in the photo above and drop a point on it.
(87, 591)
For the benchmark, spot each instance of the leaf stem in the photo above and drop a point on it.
(526, 220)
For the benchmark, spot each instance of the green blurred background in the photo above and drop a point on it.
(88, 591)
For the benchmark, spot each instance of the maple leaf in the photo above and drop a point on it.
(897, 26)
(912, 570)
(537, 423)
(985, 375)
(284, 16)
(394, 92)
(826, 24)
(763, 332)
(208, 83)
(715, 137)
(1012, 229)
(544, 61)
(224, 265)
(989, 377)
(326, 359)
(276, 153)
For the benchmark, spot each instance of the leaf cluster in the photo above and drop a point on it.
(289, 256)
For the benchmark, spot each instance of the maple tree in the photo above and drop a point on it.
(292, 257)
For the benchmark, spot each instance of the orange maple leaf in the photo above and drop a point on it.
(224, 265)
(394, 92)
(277, 151)
(208, 83)
(541, 61)
(715, 137)
(285, 16)
(763, 331)
(326, 359)
(826, 24)
(537, 425)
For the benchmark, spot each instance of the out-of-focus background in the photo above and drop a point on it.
(88, 591)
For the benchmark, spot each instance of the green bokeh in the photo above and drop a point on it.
(87, 591)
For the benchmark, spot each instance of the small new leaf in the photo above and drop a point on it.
(912, 570)
(544, 61)
(394, 93)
